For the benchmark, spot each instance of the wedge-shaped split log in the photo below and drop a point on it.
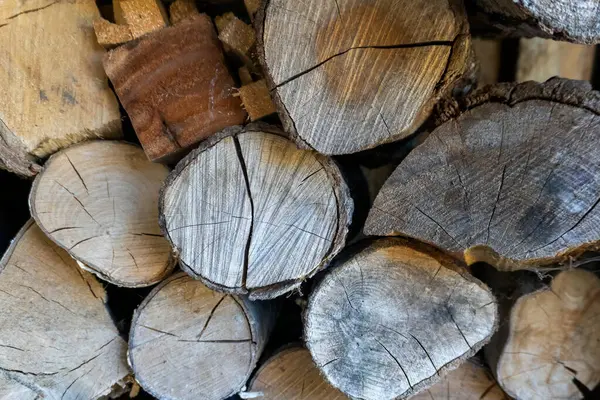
(188, 342)
(347, 76)
(57, 339)
(392, 316)
(248, 212)
(512, 176)
(99, 201)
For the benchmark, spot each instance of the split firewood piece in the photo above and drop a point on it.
(252, 6)
(256, 100)
(552, 341)
(182, 9)
(188, 342)
(508, 176)
(393, 316)
(248, 212)
(470, 381)
(290, 374)
(245, 75)
(237, 35)
(46, 106)
(99, 201)
(488, 53)
(573, 21)
(349, 76)
(542, 59)
(57, 339)
(176, 91)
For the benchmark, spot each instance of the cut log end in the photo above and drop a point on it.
(249, 212)
(99, 200)
(183, 327)
(393, 316)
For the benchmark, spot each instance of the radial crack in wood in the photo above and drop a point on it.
(99, 201)
(188, 342)
(57, 339)
(392, 73)
(394, 315)
(249, 212)
(509, 168)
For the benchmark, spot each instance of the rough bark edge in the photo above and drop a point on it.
(460, 72)
(345, 211)
(259, 330)
(171, 262)
(14, 157)
(446, 259)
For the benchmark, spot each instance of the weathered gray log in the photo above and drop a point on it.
(511, 175)
(389, 318)
(247, 212)
(188, 342)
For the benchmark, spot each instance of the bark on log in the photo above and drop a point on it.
(53, 92)
(176, 91)
(392, 317)
(99, 201)
(349, 76)
(552, 339)
(509, 169)
(57, 339)
(574, 21)
(248, 212)
(290, 374)
(188, 342)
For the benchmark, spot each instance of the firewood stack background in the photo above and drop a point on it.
(316, 199)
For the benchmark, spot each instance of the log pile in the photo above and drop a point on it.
(300, 200)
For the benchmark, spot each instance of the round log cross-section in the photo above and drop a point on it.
(349, 75)
(389, 319)
(248, 212)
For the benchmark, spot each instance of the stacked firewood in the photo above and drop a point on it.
(300, 199)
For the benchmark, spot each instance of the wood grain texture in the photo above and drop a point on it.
(488, 55)
(99, 201)
(390, 318)
(180, 10)
(175, 87)
(57, 339)
(188, 342)
(256, 100)
(542, 59)
(554, 338)
(248, 212)
(291, 374)
(575, 21)
(53, 92)
(348, 75)
(514, 167)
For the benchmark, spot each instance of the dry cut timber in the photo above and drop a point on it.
(511, 175)
(553, 340)
(57, 339)
(99, 201)
(53, 91)
(290, 374)
(175, 86)
(571, 20)
(180, 10)
(188, 342)
(248, 212)
(350, 75)
(392, 316)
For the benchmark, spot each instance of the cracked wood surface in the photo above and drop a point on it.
(248, 212)
(53, 91)
(553, 338)
(57, 339)
(392, 316)
(291, 374)
(189, 342)
(514, 168)
(99, 201)
(348, 75)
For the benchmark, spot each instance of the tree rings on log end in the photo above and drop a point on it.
(99, 201)
(248, 212)
(511, 167)
(390, 318)
(188, 342)
(351, 75)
